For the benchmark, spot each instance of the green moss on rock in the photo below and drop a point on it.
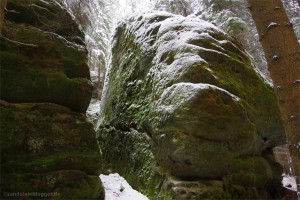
(41, 86)
(134, 150)
(196, 94)
(42, 140)
(37, 64)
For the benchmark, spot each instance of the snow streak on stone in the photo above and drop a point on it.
(117, 188)
(289, 182)
(183, 92)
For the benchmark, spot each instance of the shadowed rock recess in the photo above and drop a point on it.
(48, 149)
(185, 115)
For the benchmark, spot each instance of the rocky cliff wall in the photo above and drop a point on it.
(43, 57)
(48, 149)
(185, 115)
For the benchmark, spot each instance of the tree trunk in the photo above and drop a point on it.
(2, 7)
(298, 2)
(282, 52)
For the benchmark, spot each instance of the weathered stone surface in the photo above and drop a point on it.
(197, 97)
(48, 148)
(47, 145)
(204, 189)
(47, 15)
(132, 156)
(40, 59)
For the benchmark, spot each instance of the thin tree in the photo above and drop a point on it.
(282, 52)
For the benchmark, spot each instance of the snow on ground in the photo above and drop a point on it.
(93, 110)
(117, 188)
(289, 182)
(94, 107)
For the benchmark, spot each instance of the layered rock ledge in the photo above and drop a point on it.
(43, 57)
(48, 148)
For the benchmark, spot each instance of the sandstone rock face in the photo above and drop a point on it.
(209, 120)
(48, 148)
(42, 56)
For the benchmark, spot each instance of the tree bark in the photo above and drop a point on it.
(282, 52)
(2, 12)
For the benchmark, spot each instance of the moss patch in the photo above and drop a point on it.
(133, 150)
(44, 140)
(50, 72)
(40, 62)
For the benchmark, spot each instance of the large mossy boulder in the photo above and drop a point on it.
(181, 95)
(43, 58)
(47, 148)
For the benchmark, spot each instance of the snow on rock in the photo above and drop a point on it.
(289, 182)
(179, 94)
(117, 188)
(190, 92)
(93, 110)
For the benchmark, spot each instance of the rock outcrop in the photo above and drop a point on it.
(48, 148)
(43, 57)
(185, 115)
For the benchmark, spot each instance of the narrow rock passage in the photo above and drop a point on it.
(117, 188)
